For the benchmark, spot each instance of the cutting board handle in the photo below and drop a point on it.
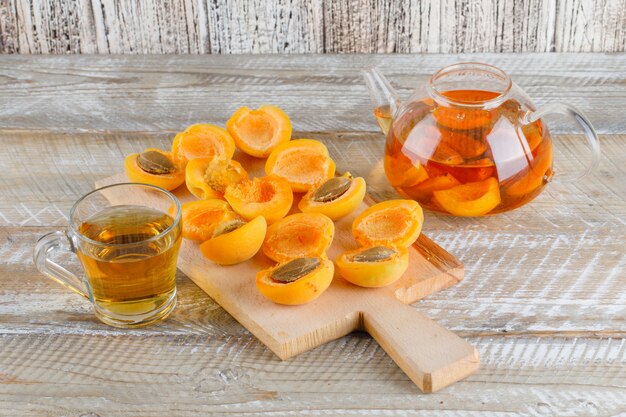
(431, 355)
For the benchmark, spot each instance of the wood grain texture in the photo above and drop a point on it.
(44, 375)
(166, 93)
(318, 26)
(543, 297)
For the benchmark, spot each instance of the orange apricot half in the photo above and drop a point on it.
(200, 218)
(208, 177)
(470, 199)
(297, 281)
(202, 141)
(402, 172)
(299, 235)
(424, 190)
(390, 223)
(154, 166)
(373, 267)
(235, 241)
(337, 197)
(304, 163)
(258, 132)
(269, 196)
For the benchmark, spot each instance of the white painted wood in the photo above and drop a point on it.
(318, 26)
(542, 300)
(157, 93)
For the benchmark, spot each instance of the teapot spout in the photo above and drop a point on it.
(384, 97)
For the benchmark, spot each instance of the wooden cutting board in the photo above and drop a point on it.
(429, 354)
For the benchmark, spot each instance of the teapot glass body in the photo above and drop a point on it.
(468, 143)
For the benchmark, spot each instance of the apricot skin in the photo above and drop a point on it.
(376, 225)
(136, 174)
(299, 235)
(269, 196)
(470, 199)
(340, 207)
(301, 291)
(237, 246)
(372, 274)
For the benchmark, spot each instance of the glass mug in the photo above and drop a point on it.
(470, 142)
(128, 254)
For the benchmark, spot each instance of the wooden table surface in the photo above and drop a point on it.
(544, 297)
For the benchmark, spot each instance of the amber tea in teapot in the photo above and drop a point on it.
(469, 144)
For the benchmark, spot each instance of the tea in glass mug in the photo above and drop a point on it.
(128, 254)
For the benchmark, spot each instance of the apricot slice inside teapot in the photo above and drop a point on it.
(470, 199)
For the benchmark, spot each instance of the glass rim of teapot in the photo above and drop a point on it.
(475, 66)
(171, 227)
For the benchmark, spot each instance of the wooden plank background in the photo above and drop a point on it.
(543, 298)
(310, 26)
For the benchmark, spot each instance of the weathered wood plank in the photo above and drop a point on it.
(554, 266)
(46, 172)
(561, 283)
(189, 375)
(300, 26)
(155, 93)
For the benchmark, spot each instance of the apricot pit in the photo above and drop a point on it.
(373, 267)
(235, 241)
(336, 197)
(154, 166)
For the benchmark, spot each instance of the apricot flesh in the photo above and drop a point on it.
(202, 141)
(303, 290)
(208, 177)
(390, 223)
(258, 132)
(304, 163)
(372, 274)
(200, 218)
(470, 199)
(136, 173)
(269, 196)
(299, 235)
(238, 245)
(338, 207)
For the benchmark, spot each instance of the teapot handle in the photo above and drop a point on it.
(583, 122)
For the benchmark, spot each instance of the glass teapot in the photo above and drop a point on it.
(470, 142)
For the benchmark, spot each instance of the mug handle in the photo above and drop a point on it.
(58, 242)
(583, 122)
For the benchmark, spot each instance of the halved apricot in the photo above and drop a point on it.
(208, 177)
(258, 132)
(297, 281)
(235, 241)
(337, 197)
(200, 218)
(202, 141)
(402, 172)
(154, 166)
(269, 196)
(471, 199)
(390, 223)
(534, 176)
(299, 235)
(304, 163)
(373, 267)
(464, 144)
(424, 190)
